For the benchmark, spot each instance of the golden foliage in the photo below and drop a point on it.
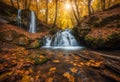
(73, 70)
(69, 77)
(56, 61)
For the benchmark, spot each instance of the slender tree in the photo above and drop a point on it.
(37, 7)
(18, 4)
(77, 9)
(74, 12)
(46, 13)
(56, 13)
(103, 4)
(12, 3)
(89, 7)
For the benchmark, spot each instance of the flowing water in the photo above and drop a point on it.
(32, 27)
(19, 17)
(63, 40)
(32, 22)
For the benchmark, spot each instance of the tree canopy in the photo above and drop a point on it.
(63, 13)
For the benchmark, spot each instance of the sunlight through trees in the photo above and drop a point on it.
(64, 13)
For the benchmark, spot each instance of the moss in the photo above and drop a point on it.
(114, 40)
(40, 61)
(96, 43)
(35, 44)
(99, 43)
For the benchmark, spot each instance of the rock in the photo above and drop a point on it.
(111, 42)
(23, 41)
(38, 61)
(35, 44)
(8, 35)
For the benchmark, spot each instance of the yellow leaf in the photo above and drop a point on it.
(30, 70)
(69, 77)
(81, 63)
(26, 78)
(56, 61)
(52, 69)
(41, 57)
(5, 75)
(92, 61)
(74, 70)
(49, 80)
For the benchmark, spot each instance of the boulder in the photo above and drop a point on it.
(35, 44)
(111, 42)
(23, 41)
(9, 35)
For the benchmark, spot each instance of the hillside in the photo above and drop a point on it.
(103, 31)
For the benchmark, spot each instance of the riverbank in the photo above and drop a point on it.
(20, 63)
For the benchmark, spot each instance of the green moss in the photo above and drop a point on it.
(39, 61)
(114, 40)
(35, 44)
(95, 42)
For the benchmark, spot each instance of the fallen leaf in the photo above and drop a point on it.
(52, 69)
(49, 79)
(26, 78)
(69, 77)
(73, 70)
(56, 61)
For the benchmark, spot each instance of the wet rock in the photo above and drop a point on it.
(23, 40)
(35, 44)
(111, 42)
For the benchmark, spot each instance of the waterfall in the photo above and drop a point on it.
(62, 39)
(32, 27)
(19, 17)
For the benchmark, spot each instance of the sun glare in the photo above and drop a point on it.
(67, 6)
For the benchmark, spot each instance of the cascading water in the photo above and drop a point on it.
(32, 27)
(19, 17)
(62, 39)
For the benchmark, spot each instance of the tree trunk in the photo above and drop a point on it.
(103, 4)
(75, 15)
(77, 10)
(29, 4)
(12, 3)
(37, 8)
(56, 10)
(18, 4)
(46, 14)
(109, 3)
(89, 7)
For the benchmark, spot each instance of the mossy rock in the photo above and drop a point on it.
(38, 58)
(80, 31)
(35, 44)
(96, 43)
(23, 40)
(114, 40)
(111, 42)
(39, 61)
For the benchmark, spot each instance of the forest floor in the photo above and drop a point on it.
(18, 64)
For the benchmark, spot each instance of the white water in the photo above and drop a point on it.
(32, 27)
(19, 17)
(62, 39)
